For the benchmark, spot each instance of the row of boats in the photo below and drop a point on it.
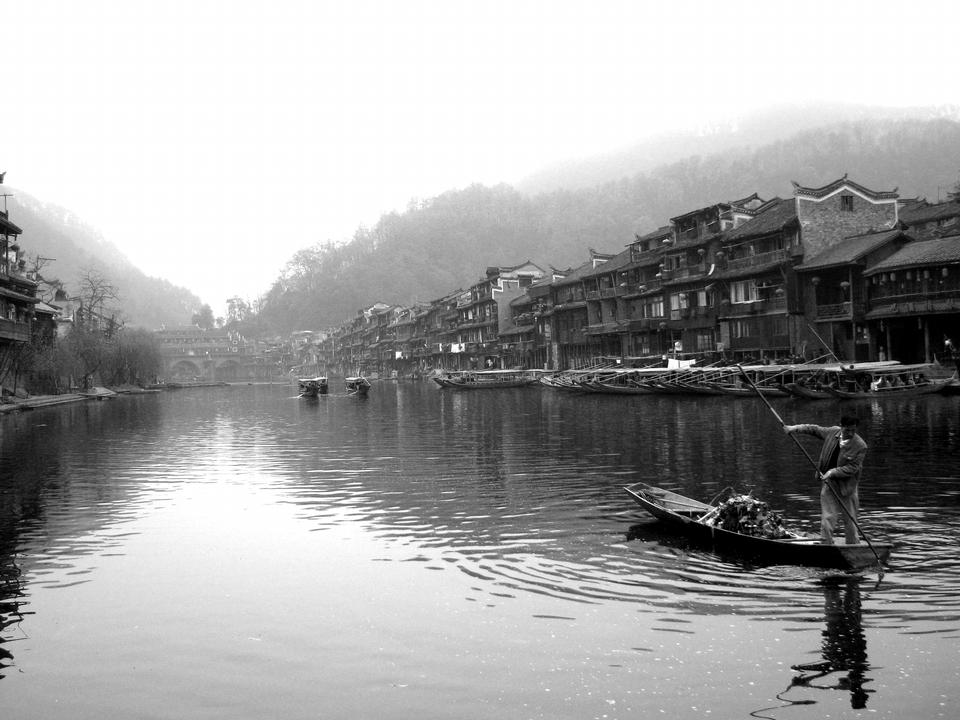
(810, 381)
(314, 386)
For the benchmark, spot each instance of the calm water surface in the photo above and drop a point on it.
(241, 553)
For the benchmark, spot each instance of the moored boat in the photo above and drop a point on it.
(858, 382)
(357, 385)
(689, 517)
(312, 387)
(485, 379)
(808, 391)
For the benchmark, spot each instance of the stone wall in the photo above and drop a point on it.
(825, 221)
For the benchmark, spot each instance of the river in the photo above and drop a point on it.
(236, 552)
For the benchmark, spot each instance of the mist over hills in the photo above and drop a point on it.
(739, 134)
(443, 244)
(74, 247)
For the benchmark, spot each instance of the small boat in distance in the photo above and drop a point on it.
(357, 385)
(689, 517)
(311, 387)
(485, 379)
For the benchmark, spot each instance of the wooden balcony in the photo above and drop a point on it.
(754, 308)
(13, 330)
(768, 258)
(841, 311)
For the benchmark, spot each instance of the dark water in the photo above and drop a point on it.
(239, 553)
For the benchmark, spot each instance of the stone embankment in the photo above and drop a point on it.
(13, 403)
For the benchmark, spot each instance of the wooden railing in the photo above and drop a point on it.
(767, 258)
(13, 330)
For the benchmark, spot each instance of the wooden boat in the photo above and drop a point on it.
(685, 515)
(808, 392)
(485, 379)
(357, 385)
(311, 387)
(906, 380)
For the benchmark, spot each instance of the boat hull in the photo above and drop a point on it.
(312, 387)
(357, 386)
(682, 514)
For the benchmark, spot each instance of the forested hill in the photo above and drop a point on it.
(446, 243)
(72, 248)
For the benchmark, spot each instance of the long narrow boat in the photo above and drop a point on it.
(909, 381)
(486, 379)
(808, 392)
(685, 515)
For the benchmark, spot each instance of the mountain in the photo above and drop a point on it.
(753, 131)
(446, 243)
(73, 247)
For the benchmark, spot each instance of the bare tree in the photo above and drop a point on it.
(97, 298)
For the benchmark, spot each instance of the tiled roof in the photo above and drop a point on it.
(665, 231)
(576, 274)
(8, 227)
(841, 182)
(944, 251)
(621, 259)
(849, 250)
(918, 214)
(779, 214)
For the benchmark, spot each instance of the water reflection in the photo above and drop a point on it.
(511, 502)
(844, 646)
(843, 649)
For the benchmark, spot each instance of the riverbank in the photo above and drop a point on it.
(13, 404)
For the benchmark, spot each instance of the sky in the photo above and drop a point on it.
(211, 140)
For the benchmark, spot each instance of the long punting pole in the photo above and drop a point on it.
(815, 467)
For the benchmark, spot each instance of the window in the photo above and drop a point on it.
(704, 341)
(846, 203)
(743, 291)
(653, 307)
(741, 328)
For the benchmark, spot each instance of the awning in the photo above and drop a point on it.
(518, 330)
(18, 296)
(7, 227)
(913, 309)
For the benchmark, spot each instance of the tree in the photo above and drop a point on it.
(133, 359)
(203, 318)
(97, 295)
(237, 310)
(87, 344)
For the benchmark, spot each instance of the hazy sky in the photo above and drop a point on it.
(211, 140)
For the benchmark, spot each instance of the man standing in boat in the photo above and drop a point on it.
(839, 467)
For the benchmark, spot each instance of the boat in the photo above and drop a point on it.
(485, 379)
(904, 380)
(808, 391)
(357, 385)
(311, 387)
(688, 516)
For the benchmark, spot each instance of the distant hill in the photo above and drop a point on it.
(53, 232)
(751, 132)
(443, 244)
